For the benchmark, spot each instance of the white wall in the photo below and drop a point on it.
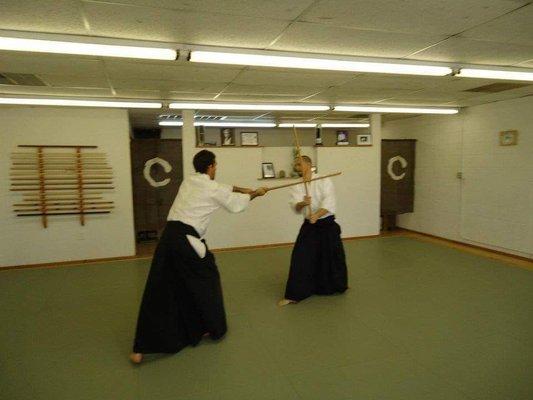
(493, 205)
(23, 240)
(269, 219)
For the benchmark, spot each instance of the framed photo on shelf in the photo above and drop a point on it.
(249, 139)
(342, 138)
(268, 170)
(364, 140)
(227, 137)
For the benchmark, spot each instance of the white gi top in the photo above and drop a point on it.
(199, 197)
(322, 195)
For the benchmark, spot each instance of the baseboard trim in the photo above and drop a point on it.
(71, 263)
(126, 258)
(473, 246)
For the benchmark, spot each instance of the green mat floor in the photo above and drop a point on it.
(421, 321)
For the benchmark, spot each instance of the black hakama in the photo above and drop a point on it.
(318, 262)
(183, 297)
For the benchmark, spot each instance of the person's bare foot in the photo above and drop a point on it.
(136, 358)
(284, 302)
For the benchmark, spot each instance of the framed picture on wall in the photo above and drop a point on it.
(249, 139)
(268, 170)
(364, 140)
(508, 138)
(342, 138)
(227, 137)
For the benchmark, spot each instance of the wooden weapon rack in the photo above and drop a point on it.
(61, 180)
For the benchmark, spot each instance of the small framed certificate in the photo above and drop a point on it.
(268, 170)
(364, 140)
(249, 139)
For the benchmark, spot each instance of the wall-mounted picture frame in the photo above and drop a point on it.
(268, 170)
(227, 137)
(509, 138)
(342, 138)
(364, 140)
(249, 139)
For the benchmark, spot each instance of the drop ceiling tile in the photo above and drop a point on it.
(457, 84)
(426, 17)
(49, 91)
(441, 95)
(421, 102)
(516, 27)
(525, 64)
(341, 95)
(302, 78)
(316, 38)
(385, 81)
(36, 63)
(476, 52)
(243, 98)
(191, 96)
(120, 21)
(179, 86)
(171, 71)
(74, 81)
(275, 9)
(51, 16)
(269, 90)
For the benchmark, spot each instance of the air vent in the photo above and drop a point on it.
(213, 118)
(8, 78)
(497, 87)
(196, 117)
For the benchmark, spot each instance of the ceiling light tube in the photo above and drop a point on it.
(296, 125)
(495, 74)
(339, 125)
(267, 60)
(171, 123)
(88, 49)
(237, 124)
(393, 109)
(78, 103)
(247, 107)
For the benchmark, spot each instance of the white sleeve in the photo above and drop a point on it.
(328, 192)
(233, 202)
(296, 197)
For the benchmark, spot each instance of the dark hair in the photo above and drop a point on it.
(202, 160)
(306, 159)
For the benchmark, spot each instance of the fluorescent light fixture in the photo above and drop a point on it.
(393, 109)
(88, 49)
(266, 60)
(237, 124)
(339, 125)
(296, 125)
(171, 123)
(78, 103)
(495, 74)
(246, 107)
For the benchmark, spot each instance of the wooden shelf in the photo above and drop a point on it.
(349, 145)
(277, 179)
(228, 147)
